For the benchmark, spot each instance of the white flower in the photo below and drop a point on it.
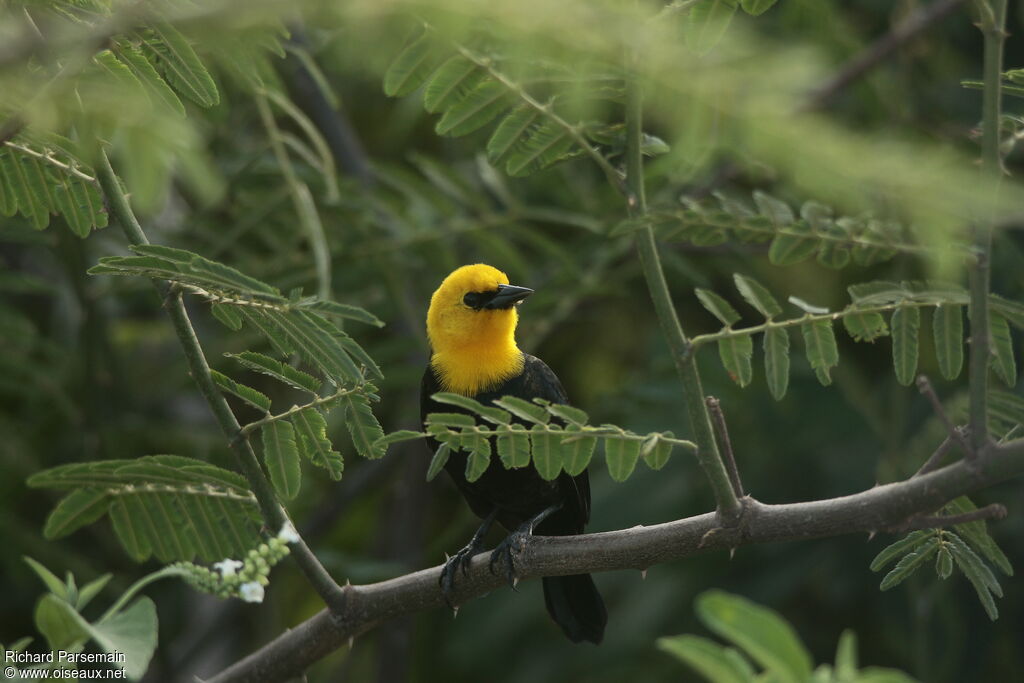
(251, 592)
(288, 534)
(227, 567)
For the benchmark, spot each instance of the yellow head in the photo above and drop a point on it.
(471, 325)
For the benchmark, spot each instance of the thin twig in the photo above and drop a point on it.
(994, 511)
(907, 30)
(729, 506)
(925, 387)
(547, 111)
(715, 407)
(248, 429)
(935, 459)
(274, 515)
(992, 22)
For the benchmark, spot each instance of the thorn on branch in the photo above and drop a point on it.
(925, 387)
(994, 511)
(715, 408)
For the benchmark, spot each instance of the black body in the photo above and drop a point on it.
(520, 494)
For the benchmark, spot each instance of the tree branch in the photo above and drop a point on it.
(729, 506)
(718, 417)
(992, 21)
(273, 514)
(639, 547)
(954, 433)
(994, 511)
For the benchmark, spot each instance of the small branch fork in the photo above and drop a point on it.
(715, 407)
(994, 511)
(955, 433)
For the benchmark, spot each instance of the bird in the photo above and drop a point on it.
(471, 324)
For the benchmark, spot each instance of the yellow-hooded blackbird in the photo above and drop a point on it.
(471, 326)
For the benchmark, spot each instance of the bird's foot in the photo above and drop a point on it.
(514, 544)
(461, 560)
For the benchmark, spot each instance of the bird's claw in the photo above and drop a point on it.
(506, 552)
(460, 560)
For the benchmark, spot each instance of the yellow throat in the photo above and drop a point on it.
(474, 349)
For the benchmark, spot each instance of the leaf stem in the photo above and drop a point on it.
(244, 432)
(305, 208)
(273, 514)
(164, 573)
(993, 19)
(729, 507)
(545, 110)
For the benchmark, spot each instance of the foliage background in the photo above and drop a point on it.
(99, 375)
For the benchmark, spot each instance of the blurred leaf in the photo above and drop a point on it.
(776, 361)
(411, 68)
(759, 631)
(1002, 359)
(706, 23)
(718, 307)
(281, 456)
(904, 323)
(708, 658)
(948, 328)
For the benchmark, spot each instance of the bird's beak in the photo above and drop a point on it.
(508, 296)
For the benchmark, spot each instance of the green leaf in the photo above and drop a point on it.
(543, 146)
(707, 658)
(492, 415)
(759, 631)
(132, 632)
(314, 444)
(77, 509)
(514, 447)
(757, 296)
(53, 584)
(475, 110)
(717, 306)
(820, 345)
(978, 574)
(865, 326)
(174, 507)
(281, 456)
(523, 409)
(756, 7)
(944, 563)
(948, 329)
(706, 23)
(776, 361)
(621, 456)
(910, 563)
(451, 419)
(1011, 310)
(657, 455)
(363, 426)
(91, 590)
(411, 68)
(846, 657)
(899, 548)
(546, 444)
(227, 315)
(59, 623)
(282, 372)
(776, 210)
(438, 461)
(345, 311)
(568, 413)
(256, 399)
(511, 132)
(977, 534)
(450, 83)
(577, 452)
(792, 246)
(479, 459)
(904, 323)
(177, 61)
(735, 353)
(398, 436)
(156, 87)
(1002, 359)
(315, 343)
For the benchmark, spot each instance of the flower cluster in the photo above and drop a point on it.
(244, 578)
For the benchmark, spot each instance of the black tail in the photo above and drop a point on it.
(575, 605)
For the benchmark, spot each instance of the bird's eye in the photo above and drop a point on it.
(475, 299)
